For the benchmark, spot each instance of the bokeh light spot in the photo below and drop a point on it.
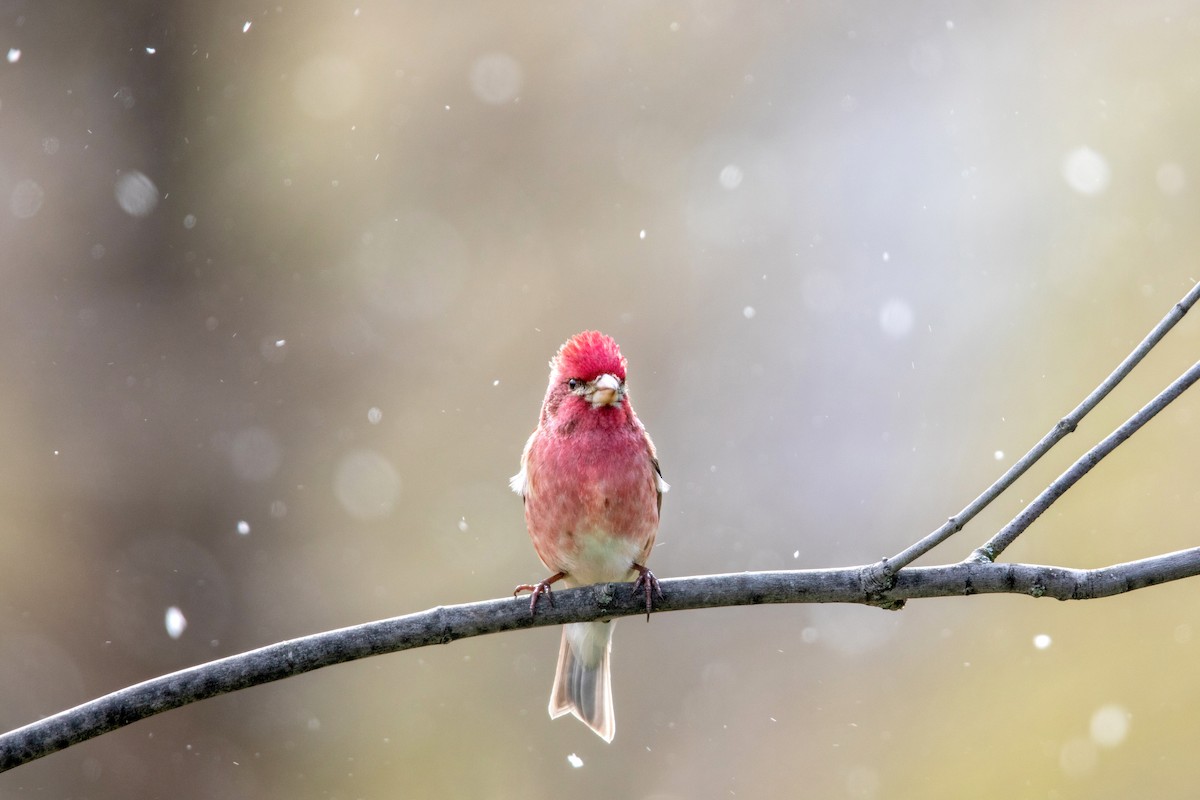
(896, 318)
(1110, 725)
(496, 78)
(731, 176)
(26, 199)
(1086, 171)
(850, 631)
(1170, 178)
(136, 194)
(366, 484)
(255, 454)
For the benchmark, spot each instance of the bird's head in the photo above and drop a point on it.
(587, 373)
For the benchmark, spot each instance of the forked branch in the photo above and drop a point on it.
(887, 584)
(1056, 434)
(450, 623)
(1008, 534)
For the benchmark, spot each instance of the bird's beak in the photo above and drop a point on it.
(606, 391)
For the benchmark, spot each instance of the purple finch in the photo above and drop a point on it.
(593, 490)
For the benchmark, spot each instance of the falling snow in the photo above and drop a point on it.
(176, 622)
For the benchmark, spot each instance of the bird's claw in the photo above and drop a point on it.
(539, 589)
(649, 584)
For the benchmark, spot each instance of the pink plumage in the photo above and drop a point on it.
(588, 355)
(592, 489)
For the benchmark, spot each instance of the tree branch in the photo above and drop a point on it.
(882, 584)
(1064, 426)
(1008, 534)
(603, 601)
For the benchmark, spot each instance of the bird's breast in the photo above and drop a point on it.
(592, 509)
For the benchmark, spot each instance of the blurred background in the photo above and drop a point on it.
(280, 283)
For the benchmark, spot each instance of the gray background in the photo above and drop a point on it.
(860, 256)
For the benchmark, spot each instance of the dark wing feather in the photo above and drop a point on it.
(658, 471)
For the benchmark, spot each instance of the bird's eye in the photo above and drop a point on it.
(573, 384)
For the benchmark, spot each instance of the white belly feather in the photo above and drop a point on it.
(601, 558)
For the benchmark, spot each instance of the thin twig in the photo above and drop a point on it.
(1008, 534)
(447, 624)
(1065, 426)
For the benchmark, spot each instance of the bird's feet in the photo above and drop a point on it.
(540, 589)
(649, 584)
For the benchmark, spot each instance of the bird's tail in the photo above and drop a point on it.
(582, 684)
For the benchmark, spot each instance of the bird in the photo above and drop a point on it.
(592, 489)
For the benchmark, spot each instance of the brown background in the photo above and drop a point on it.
(885, 247)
